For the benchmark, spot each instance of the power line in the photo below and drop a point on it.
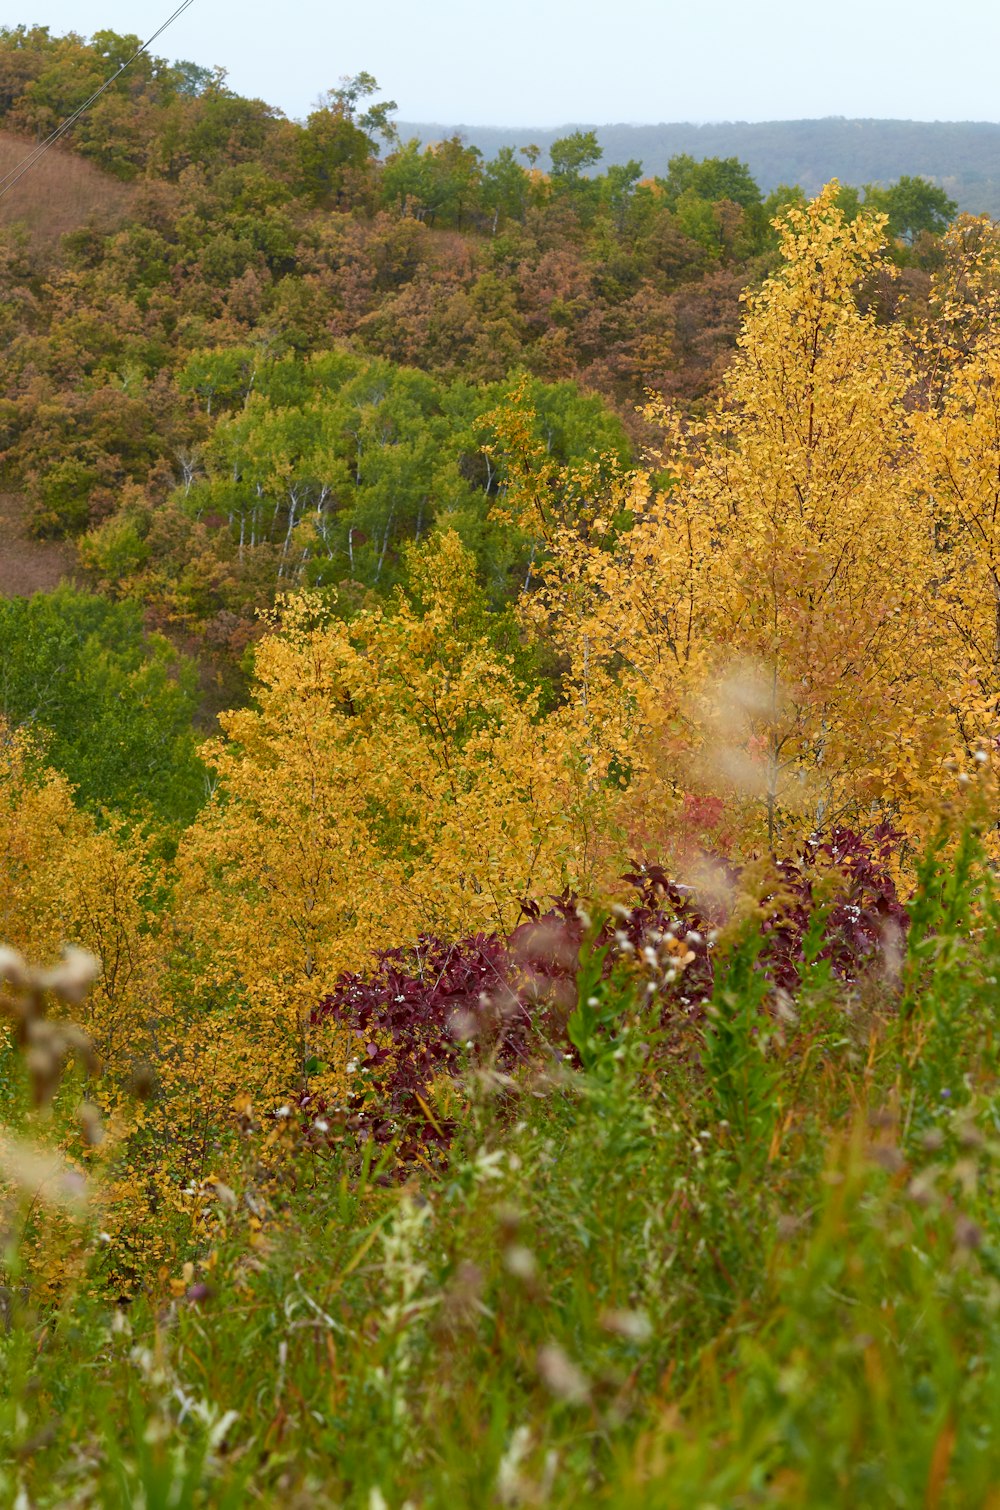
(14, 175)
(18, 171)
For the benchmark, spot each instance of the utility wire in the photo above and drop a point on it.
(15, 174)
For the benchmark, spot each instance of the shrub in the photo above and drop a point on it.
(419, 1011)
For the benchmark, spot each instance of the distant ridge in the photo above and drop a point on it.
(962, 156)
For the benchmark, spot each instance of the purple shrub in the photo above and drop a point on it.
(418, 1012)
(864, 908)
(413, 1014)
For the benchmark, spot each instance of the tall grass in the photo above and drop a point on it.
(763, 1269)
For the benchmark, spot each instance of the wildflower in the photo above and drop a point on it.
(90, 1124)
(968, 1235)
(488, 1165)
(42, 1174)
(224, 1195)
(142, 1082)
(509, 1218)
(463, 1027)
(969, 1136)
(462, 1299)
(921, 1187)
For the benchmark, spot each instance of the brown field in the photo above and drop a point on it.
(59, 194)
(28, 565)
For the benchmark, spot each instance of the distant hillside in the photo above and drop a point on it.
(962, 156)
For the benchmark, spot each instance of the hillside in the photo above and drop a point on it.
(28, 565)
(61, 193)
(963, 157)
(540, 1050)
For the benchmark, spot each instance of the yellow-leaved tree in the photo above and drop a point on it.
(761, 635)
(64, 880)
(958, 432)
(392, 777)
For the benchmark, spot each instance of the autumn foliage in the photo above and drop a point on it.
(498, 916)
(761, 665)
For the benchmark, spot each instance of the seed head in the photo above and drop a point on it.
(561, 1376)
(70, 981)
(13, 969)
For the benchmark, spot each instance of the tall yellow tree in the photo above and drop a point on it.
(762, 633)
(391, 778)
(64, 880)
(958, 433)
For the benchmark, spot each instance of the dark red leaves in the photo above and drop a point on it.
(420, 1011)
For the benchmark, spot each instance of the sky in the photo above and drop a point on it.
(552, 62)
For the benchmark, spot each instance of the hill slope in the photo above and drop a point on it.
(61, 193)
(962, 156)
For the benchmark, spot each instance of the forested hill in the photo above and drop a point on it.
(963, 157)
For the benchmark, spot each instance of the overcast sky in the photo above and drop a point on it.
(548, 62)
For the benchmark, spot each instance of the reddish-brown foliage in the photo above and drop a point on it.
(61, 193)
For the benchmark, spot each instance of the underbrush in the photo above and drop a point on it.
(758, 1265)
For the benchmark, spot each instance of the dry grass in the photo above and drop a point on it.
(59, 194)
(27, 565)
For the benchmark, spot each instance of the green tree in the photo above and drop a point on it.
(506, 188)
(339, 141)
(717, 203)
(572, 155)
(112, 704)
(619, 185)
(712, 179)
(406, 181)
(192, 78)
(913, 205)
